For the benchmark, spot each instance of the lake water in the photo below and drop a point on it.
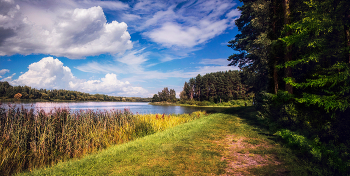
(134, 107)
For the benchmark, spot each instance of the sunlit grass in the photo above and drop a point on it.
(217, 144)
(31, 139)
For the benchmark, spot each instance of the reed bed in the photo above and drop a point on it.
(31, 139)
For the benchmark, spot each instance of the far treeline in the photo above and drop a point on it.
(215, 87)
(296, 54)
(9, 93)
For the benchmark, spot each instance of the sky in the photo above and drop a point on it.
(118, 48)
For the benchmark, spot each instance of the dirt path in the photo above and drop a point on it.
(242, 154)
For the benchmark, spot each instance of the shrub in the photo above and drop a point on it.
(334, 156)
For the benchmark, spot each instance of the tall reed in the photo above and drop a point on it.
(30, 139)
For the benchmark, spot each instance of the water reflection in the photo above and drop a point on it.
(134, 107)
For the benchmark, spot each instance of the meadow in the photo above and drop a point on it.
(234, 142)
(32, 139)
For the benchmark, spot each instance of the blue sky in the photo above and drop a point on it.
(120, 48)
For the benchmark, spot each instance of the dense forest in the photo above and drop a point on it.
(165, 95)
(8, 92)
(296, 54)
(216, 87)
(212, 87)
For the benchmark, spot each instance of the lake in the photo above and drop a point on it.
(134, 107)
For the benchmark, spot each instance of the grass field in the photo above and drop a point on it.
(30, 140)
(230, 143)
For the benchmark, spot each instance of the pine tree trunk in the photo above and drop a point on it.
(288, 56)
(199, 94)
(275, 78)
(275, 72)
(347, 35)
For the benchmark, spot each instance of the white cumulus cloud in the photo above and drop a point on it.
(73, 33)
(187, 24)
(50, 73)
(172, 34)
(47, 73)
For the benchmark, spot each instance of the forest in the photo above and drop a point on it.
(296, 55)
(216, 87)
(213, 89)
(9, 93)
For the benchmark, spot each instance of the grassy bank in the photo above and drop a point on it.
(31, 139)
(229, 143)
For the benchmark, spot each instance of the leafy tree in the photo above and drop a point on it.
(172, 95)
(165, 95)
(253, 44)
(186, 92)
(183, 95)
(18, 96)
(192, 85)
(198, 87)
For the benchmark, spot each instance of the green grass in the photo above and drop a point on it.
(206, 146)
(31, 140)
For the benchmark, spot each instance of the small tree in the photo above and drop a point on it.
(172, 95)
(155, 98)
(183, 95)
(18, 96)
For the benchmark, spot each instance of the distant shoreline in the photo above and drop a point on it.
(58, 100)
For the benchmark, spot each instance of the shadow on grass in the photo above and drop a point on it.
(249, 116)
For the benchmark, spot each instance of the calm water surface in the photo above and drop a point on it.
(134, 107)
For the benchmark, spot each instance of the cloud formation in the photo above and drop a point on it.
(134, 65)
(184, 24)
(50, 73)
(172, 34)
(222, 62)
(3, 71)
(47, 73)
(73, 33)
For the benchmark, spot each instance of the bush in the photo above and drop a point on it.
(277, 108)
(204, 103)
(310, 130)
(334, 156)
